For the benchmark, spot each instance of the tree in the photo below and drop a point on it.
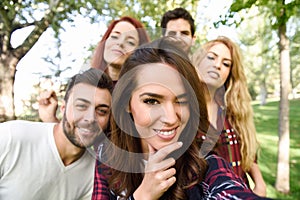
(279, 13)
(43, 14)
(15, 15)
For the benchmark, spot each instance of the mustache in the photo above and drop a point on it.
(94, 126)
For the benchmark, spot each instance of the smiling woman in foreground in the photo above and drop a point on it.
(158, 107)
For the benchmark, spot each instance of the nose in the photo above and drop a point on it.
(121, 42)
(218, 63)
(90, 116)
(170, 114)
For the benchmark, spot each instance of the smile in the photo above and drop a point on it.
(166, 133)
(86, 131)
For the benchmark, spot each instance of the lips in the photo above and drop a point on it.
(166, 134)
(118, 51)
(87, 131)
(213, 74)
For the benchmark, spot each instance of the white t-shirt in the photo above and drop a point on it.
(31, 168)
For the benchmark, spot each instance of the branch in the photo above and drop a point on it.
(40, 27)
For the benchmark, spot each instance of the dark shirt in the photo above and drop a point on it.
(220, 182)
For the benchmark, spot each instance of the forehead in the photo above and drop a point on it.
(91, 94)
(160, 74)
(220, 49)
(178, 25)
(127, 28)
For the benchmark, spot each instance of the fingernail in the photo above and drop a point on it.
(180, 143)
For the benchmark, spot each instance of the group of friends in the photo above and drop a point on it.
(148, 120)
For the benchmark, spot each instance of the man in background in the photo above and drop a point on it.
(53, 161)
(179, 23)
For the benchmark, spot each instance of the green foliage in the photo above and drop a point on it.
(266, 121)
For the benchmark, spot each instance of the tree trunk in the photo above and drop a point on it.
(263, 92)
(7, 73)
(283, 170)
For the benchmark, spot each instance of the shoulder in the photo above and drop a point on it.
(21, 124)
(220, 181)
(20, 130)
(217, 163)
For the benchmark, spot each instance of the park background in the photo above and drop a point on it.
(45, 55)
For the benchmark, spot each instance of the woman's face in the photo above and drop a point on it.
(123, 39)
(215, 67)
(159, 106)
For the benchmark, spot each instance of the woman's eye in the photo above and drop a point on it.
(114, 37)
(151, 101)
(210, 57)
(182, 101)
(227, 64)
(131, 43)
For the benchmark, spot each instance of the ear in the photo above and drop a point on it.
(194, 39)
(63, 107)
(128, 109)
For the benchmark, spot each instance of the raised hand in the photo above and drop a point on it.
(48, 104)
(159, 174)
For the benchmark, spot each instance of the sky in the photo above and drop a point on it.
(75, 43)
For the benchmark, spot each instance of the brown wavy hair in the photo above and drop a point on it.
(190, 167)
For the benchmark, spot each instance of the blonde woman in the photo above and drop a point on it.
(220, 66)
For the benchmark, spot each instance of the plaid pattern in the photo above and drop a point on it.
(100, 191)
(228, 147)
(220, 182)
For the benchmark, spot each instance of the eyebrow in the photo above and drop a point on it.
(86, 101)
(218, 55)
(161, 96)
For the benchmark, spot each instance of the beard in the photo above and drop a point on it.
(72, 132)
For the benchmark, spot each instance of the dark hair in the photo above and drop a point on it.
(98, 61)
(94, 77)
(189, 166)
(177, 13)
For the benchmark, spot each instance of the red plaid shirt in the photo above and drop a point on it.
(225, 143)
(220, 182)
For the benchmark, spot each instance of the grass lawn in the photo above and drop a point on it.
(266, 121)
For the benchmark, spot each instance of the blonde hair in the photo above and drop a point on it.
(237, 100)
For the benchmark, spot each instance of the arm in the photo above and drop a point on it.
(48, 104)
(256, 176)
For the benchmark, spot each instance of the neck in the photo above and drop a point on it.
(68, 152)
(212, 107)
(114, 71)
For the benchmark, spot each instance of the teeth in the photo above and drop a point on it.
(84, 130)
(166, 132)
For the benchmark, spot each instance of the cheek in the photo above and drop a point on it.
(225, 74)
(129, 49)
(185, 113)
(103, 122)
(71, 114)
(203, 65)
(141, 115)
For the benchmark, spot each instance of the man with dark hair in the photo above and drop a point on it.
(53, 160)
(179, 23)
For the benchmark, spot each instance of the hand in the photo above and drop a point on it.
(48, 104)
(159, 174)
(260, 189)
